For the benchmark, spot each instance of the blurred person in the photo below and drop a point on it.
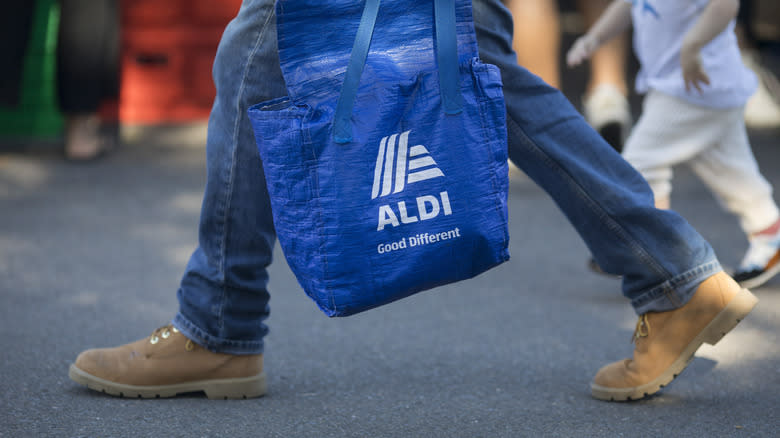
(696, 87)
(88, 75)
(215, 342)
(537, 42)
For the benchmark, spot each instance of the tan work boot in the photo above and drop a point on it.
(666, 341)
(166, 364)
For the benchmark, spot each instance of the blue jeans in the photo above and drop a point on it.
(223, 297)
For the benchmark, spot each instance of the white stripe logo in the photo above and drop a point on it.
(406, 165)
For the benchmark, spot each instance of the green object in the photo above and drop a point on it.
(37, 116)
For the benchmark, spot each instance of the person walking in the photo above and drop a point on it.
(214, 343)
(693, 114)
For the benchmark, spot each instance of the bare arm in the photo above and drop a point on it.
(714, 19)
(615, 20)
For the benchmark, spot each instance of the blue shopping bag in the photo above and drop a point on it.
(386, 163)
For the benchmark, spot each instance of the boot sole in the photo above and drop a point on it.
(235, 388)
(724, 322)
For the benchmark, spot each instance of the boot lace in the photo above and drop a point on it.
(642, 329)
(165, 332)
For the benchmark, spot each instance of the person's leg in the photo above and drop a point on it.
(111, 76)
(87, 57)
(216, 340)
(223, 297)
(669, 132)
(608, 63)
(670, 274)
(608, 202)
(605, 104)
(537, 37)
(653, 148)
(81, 53)
(730, 170)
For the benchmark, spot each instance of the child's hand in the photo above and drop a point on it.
(692, 70)
(581, 50)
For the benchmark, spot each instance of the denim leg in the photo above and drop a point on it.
(661, 257)
(223, 300)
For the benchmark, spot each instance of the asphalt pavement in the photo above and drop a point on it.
(91, 255)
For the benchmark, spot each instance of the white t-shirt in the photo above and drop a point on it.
(659, 29)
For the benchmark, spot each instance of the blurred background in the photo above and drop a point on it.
(156, 57)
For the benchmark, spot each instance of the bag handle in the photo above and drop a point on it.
(447, 58)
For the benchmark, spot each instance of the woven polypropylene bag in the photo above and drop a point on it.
(415, 196)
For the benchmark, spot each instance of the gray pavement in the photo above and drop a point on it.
(91, 255)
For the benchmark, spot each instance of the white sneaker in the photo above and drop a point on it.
(608, 112)
(763, 108)
(762, 261)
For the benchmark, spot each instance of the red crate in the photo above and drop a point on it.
(154, 12)
(152, 65)
(166, 74)
(213, 12)
(168, 49)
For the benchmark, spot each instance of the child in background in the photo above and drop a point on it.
(696, 88)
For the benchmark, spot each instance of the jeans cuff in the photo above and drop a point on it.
(675, 292)
(213, 343)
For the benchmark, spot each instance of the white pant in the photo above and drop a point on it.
(714, 144)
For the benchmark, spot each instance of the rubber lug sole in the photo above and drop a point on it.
(236, 388)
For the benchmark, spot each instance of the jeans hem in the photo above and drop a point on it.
(675, 292)
(213, 343)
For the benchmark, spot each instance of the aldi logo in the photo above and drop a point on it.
(397, 165)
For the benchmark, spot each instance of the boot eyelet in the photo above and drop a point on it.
(175, 330)
(166, 334)
(189, 346)
(154, 340)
